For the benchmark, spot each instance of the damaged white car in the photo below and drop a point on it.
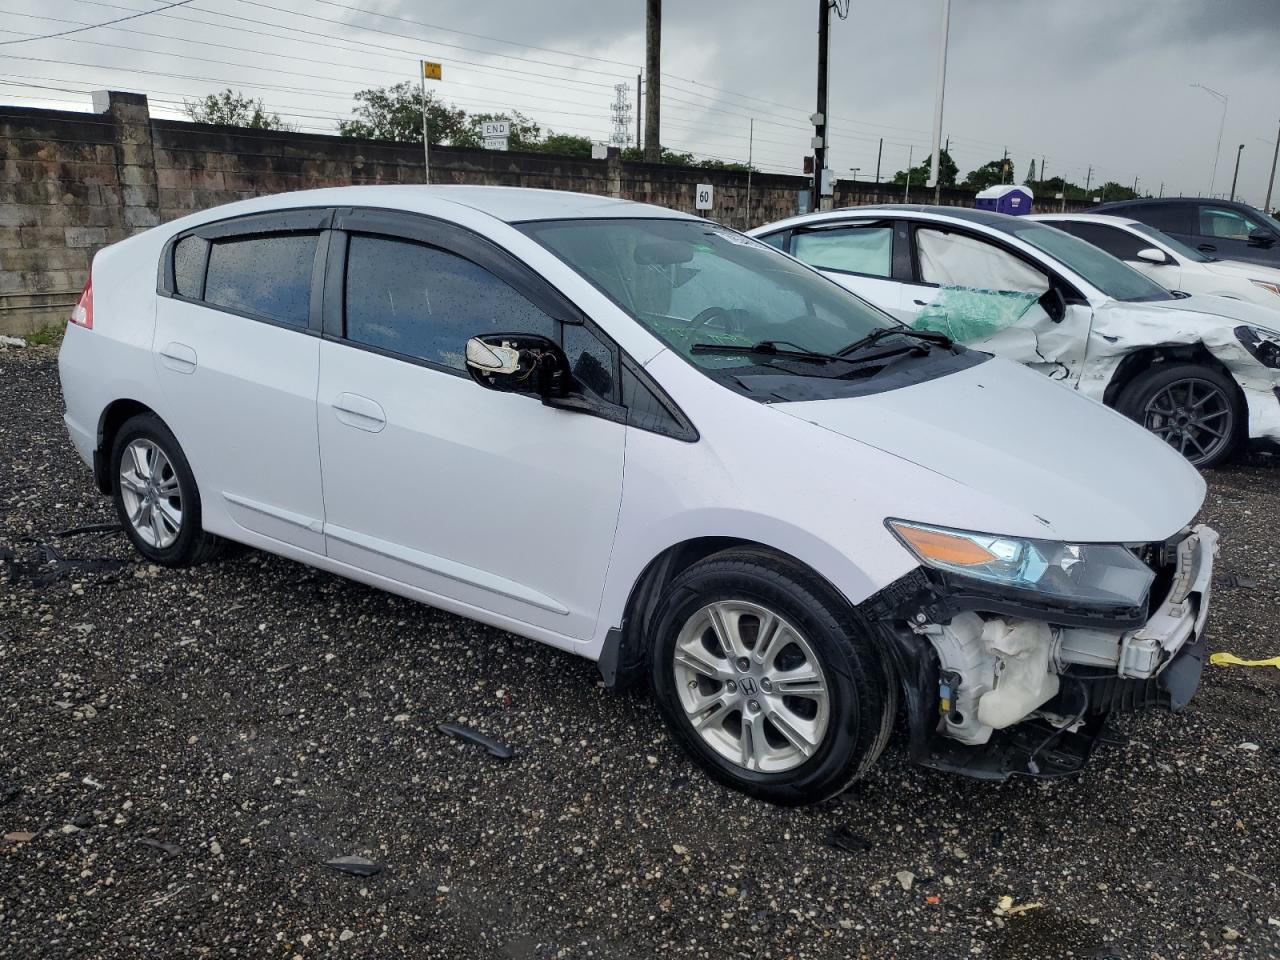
(1201, 372)
(648, 440)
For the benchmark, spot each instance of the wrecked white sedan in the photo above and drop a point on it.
(643, 438)
(1201, 372)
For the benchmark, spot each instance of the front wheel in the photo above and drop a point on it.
(769, 682)
(1193, 408)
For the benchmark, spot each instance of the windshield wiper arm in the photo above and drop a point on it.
(769, 348)
(927, 336)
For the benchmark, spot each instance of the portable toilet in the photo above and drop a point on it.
(1008, 198)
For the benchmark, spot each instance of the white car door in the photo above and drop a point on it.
(858, 255)
(986, 296)
(489, 499)
(237, 353)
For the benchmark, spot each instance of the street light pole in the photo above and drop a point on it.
(935, 164)
(1223, 98)
(1236, 176)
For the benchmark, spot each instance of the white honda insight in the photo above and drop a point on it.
(644, 438)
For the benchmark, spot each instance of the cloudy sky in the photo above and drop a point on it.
(1101, 84)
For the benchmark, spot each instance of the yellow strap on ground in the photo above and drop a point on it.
(1231, 660)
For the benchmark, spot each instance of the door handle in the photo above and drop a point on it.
(1207, 247)
(918, 303)
(178, 357)
(359, 412)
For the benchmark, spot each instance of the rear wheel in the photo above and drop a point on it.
(1193, 408)
(769, 682)
(156, 497)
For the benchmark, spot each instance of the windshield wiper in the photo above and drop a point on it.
(926, 336)
(769, 348)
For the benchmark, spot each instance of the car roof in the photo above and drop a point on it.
(508, 204)
(1160, 201)
(924, 211)
(1108, 219)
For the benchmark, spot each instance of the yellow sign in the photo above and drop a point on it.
(431, 71)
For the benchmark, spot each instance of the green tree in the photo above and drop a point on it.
(989, 174)
(395, 113)
(947, 171)
(565, 145)
(1113, 191)
(233, 110)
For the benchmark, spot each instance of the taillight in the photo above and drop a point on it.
(82, 315)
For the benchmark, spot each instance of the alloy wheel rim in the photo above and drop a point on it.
(151, 493)
(1192, 416)
(751, 686)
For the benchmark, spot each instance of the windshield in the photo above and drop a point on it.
(692, 282)
(1116, 279)
(1177, 246)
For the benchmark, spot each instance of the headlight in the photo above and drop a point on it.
(1267, 285)
(1262, 344)
(1083, 573)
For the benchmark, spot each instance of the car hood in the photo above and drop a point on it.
(1214, 310)
(1240, 268)
(1082, 471)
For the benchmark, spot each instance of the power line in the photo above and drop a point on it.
(92, 26)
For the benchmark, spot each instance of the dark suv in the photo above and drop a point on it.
(1221, 228)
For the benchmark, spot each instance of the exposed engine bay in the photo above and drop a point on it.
(979, 674)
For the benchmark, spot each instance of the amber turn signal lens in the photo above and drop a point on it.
(944, 547)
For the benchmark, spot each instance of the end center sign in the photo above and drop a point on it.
(494, 133)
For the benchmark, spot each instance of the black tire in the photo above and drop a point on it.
(1196, 443)
(192, 545)
(861, 689)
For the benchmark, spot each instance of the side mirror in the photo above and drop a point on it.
(519, 363)
(1261, 238)
(1153, 255)
(1053, 303)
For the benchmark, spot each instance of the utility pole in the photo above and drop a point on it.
(1004, 168)
(880, 153)
(935, 162)
(751, 142)
(1088, 178)
(1135, 186)
(653, 72)
(1236, 176)
(1266, 204)
(820, 112)
(906, 194)
(1161, 194)
(1224, 100)
(1043, 178)
(639, 112)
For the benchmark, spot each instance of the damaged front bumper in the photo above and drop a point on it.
(992, 693)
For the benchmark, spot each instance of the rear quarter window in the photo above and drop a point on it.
(188, 267)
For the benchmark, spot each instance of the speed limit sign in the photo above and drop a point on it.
(703, 196)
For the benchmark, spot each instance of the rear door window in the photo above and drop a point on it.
(858, 248)
(1121, 244)
(1169, 217)
(421, 302)
(267, 276)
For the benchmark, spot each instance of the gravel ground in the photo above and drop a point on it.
(259, 718)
